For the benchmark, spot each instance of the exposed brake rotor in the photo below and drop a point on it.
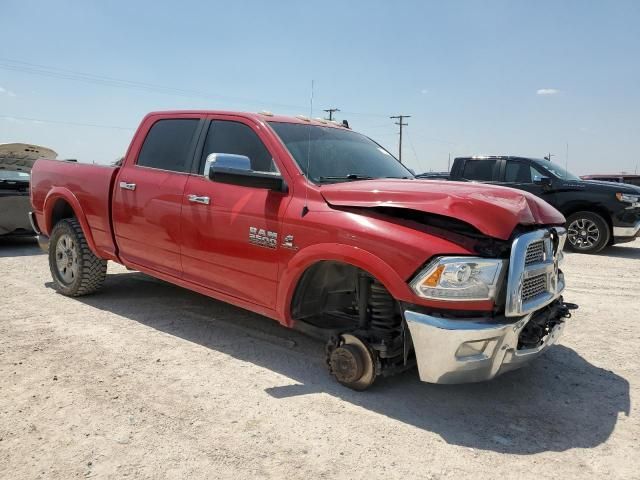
(352, 362)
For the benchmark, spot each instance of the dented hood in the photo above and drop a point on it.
(494, 211)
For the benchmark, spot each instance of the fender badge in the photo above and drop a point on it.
(287, 242)
(262, 237)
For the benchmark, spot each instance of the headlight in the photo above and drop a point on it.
(629, 198)
(459, 279)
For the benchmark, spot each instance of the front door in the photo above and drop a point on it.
(147, 201)
(231, 234)
(523, 176)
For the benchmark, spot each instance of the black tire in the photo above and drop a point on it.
(587, 232)
(76, 271)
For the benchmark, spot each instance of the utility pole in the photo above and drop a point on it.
(401, 124)
(331, 111)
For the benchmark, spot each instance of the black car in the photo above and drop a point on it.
(598, 213)
(16, 160)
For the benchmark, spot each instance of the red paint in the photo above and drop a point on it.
(205, 247)
(493, 210)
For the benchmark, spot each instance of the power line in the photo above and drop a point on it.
(401, 124)
(415, 154)
(331, 111)
(91, 78)
(62, 122)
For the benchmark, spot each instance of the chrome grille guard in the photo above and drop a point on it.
(553, 241)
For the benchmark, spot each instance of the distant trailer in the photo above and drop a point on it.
(618, 178)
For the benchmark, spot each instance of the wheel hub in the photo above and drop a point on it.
(583, 234)
(346, 363)
(352, 362)
(66, 259)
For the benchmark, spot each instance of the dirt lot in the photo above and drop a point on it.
(147, 380)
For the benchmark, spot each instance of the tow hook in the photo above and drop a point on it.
(565, 309)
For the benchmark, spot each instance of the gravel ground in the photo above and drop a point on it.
(147, 380)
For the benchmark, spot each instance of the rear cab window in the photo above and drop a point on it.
(168, 144)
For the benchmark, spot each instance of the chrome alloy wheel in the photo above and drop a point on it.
(67, 259)
(583, 234)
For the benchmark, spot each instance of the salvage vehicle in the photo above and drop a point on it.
(599, 214)
(16, 160)
(320, 228)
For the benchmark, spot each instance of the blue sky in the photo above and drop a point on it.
(478, 77)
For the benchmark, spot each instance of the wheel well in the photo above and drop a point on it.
(320, 281)
(61, 209)
(333, 296)
(333, 299)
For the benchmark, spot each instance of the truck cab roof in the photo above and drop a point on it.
(263, 116)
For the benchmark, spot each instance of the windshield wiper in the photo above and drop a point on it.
(349, 177)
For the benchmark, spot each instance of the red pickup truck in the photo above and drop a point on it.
(320, 228)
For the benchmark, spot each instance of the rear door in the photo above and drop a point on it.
(485, 170)
(147, 201)
(231, 235)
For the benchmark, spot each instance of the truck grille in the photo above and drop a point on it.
(535, 253)
(534, 278)
(534, 286)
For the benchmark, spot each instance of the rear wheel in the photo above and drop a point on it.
(75, 269)
(587, 232)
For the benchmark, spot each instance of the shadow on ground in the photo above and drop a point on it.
(19, 247)
(558, 403)
(622, 252)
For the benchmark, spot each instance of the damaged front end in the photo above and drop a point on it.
(451, 349)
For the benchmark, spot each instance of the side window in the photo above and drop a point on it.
(537, 174)
(238, 139)
(517, 172)
(481, 170)
(520, 172)
(167, 144)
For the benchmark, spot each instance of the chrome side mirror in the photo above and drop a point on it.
(230, 161)
(543, 181)
(236, 170)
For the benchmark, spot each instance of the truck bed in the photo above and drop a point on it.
(88, 186)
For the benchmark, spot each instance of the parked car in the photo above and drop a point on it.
(320, 228)
(16, 160)
(434, 175)
(598, 213)
(616, 177)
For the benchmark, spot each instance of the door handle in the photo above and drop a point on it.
(198, 199)
(127, 186)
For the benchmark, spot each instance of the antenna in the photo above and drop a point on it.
(305, 208)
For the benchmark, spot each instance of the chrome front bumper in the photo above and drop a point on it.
(462, 351)
(626, 231)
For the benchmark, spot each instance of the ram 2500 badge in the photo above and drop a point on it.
(323, 230)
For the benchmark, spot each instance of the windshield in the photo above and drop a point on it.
(557, 170)
(14, 176)
(335, 155)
